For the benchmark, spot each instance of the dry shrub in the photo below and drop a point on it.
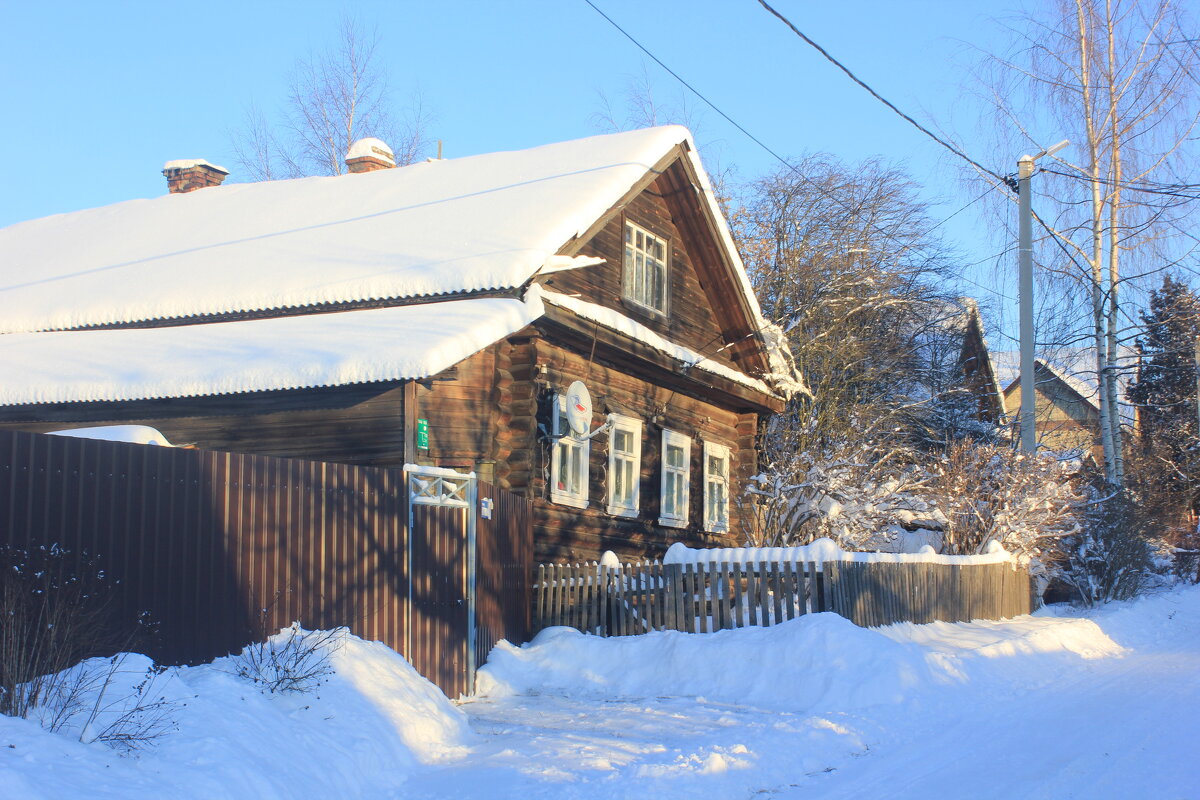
(59, 630)
(293, 660)
(56, 610)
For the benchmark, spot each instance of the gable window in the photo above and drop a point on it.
(676, 461)
(716, 487)
(569, 462)
(624, 465)
(645, 270)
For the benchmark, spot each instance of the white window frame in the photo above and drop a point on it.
(716, 489)
(565, 442)
(679, 519)
(634, 286)
(619, 462)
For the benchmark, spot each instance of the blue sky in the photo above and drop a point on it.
(99, 95)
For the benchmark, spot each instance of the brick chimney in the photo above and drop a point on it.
(190, 174)
(368, 155)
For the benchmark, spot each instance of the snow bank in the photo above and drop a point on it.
(818, 659)
(820, 551)
(1167, 621)
(818, 662)
(359, 735)
(1006, 638)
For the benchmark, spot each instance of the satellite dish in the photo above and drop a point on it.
(579, 408)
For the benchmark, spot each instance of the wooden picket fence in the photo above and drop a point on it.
(698, 598)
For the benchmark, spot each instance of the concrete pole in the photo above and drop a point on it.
(1025, 259)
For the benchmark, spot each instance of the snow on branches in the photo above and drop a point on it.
(867, 496)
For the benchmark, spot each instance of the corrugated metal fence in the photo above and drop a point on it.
(639, 597)
(219, 547)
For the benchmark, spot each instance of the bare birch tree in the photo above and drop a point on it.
(1117, 78)
(335, 97)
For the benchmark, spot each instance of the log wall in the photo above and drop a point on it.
(690, 320)
(360, 424)
(566, 533)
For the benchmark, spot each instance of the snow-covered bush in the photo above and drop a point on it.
(858, 494)
(1113, 556)
(293, 660)
(959, 500)
(1030, 504)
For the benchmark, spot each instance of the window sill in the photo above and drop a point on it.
(672, 523)
(568, 500)
(648, 312)
(622, 511)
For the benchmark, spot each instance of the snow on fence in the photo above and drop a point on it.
(702, 597)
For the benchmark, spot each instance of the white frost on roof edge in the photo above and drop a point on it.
(635, 330)
(253, 356)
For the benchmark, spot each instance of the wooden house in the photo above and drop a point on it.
(433, 314)
(1067, 398)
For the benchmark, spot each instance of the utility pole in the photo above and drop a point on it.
(1025, 258)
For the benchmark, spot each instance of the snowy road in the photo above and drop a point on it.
(1039, 707)
(1099, 706)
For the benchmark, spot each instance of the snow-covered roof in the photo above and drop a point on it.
(255, 355)
(450, 226)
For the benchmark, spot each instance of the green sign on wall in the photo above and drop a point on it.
(423, 434)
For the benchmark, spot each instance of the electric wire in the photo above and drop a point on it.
(814, 184)
(1165, 190)
(956, 151)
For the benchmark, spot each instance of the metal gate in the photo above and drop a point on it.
(470, 555)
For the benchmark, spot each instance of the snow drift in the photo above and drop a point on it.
(815, 662)
(360, 734)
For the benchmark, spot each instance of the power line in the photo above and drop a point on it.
(791, 167)
(1165, 190)
(880, 97)
(693, 89)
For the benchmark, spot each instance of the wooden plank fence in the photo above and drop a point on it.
(648, 596)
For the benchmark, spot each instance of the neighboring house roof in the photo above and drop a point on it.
(289, 250)
(1076, 368)
(972, 326)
